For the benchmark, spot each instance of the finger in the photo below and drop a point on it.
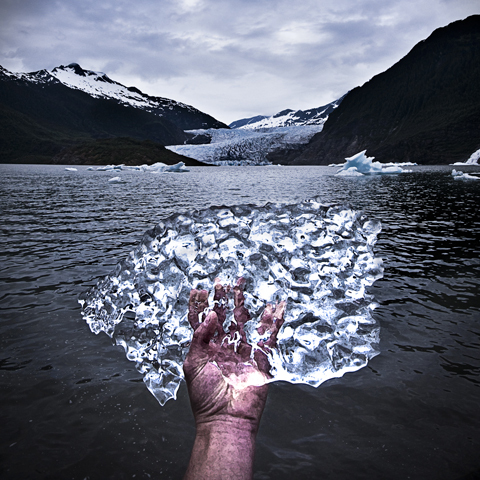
(238, 296)
(206, 330)
(261, 359)
(197, 304)
(266, 320)
(220, 299)
(278, 319)
(240, 313)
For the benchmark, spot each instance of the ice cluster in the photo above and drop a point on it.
(464, 176)
(318, 258)
(360, 165)
(158, 167)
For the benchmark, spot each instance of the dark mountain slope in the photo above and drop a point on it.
(424, 109)
(120, 150)
(41, 119)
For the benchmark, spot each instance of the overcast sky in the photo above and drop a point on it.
(229, 58)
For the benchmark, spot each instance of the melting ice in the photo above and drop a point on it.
(319, 259)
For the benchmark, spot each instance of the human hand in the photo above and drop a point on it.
(226, 380)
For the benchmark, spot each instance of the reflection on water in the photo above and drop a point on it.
(413, 412)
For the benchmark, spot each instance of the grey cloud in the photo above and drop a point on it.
(228, 58)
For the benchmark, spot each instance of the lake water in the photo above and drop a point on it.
(73, 407)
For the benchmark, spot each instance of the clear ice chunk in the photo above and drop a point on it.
(318, 258)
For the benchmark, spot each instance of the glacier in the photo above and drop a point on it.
(245, 146)
(318, 258)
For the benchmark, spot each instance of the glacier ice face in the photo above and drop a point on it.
(319, 259)
(243, 147)
(360, 165)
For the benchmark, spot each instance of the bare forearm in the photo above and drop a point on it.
(222, 449)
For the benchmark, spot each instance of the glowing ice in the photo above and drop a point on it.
(360, 164)
(318, 258)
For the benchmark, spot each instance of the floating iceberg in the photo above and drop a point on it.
(155, 168)
(71, 169)
(360, 164)
(472, 160)
(318, 258)
(463, 176)
(178, 167)
(349, 172)
(116, 180)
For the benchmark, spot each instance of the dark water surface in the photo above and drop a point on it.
(73, 407)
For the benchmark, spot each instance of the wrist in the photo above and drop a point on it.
(223, 448)
(226, 425)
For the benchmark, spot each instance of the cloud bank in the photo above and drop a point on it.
(231, 59)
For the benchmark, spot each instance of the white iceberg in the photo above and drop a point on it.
(360, 164)
(473, 159)
(155, 168)
(90, 168)
(178, 167)
(116, 180)
(463, 176)
(71, 169)
(162, 167)
(350, 172)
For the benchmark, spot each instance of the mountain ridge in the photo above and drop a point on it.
(423, 109)
(40, 115)
(289, 117)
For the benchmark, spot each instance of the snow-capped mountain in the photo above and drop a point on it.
(99, 85)
(44, 112)
(286, 118)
